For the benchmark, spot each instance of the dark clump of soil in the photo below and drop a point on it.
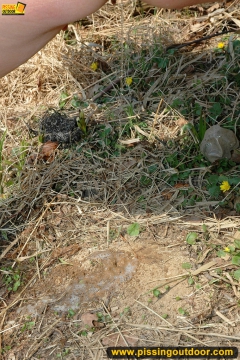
(57, 126)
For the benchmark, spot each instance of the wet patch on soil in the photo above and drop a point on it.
(80, 281)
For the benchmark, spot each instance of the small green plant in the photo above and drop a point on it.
(81, 122)
(186, 266)
(202, 127)
(11, 279)
(145, 180)
(19, 153)
(71, 313)
(126, 312)
(220, 183)
(236, 275)
(2, 139)
(191, 281)
(218, 271)
(83, 333)
(231, 251)
(4, 234)
(63, 99)
(206, 234)
(236, 259)
(64, 353)
(28, 326)
(5, 349)
(103, 317)
(164, 316)
(238, 207)
(237, 243)
(133, 229)
(76, 102)
(157, 293)
(183, 312)
(191, 238)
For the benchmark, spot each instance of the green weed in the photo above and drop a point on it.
(63, 99)
(12, 279)
(28, 326)
(183, 312)
(2, 139)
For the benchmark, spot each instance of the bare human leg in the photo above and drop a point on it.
(23, 36)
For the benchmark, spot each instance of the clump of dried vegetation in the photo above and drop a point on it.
(142, 106)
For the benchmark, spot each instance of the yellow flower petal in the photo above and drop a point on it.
(94, 66)
(225, 186)
(221, 45)
(128, 81)
(227, 249)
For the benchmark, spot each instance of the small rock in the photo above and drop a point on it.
(218, 143)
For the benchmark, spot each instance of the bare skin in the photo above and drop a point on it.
(23, 36)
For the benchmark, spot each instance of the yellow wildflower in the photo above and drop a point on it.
(227, 249)
(128, 81)
(225, 186)
(94, 66)
(221, 45)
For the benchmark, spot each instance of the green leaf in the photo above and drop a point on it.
(213, 179)
(202, 127)
(171, 51)
(4, 235)
(16, 285)
(156, 293)
(222, 178)
(83, 333)
(204, 227)
(176, 103)
(162, 62)
(81, 123)
(215, 110)
(182, 311)
(191, 237)
(186, 266)
(164, 316)
(236, 260)
(30, 325)
(221, 253)
(236, 274)
(234, 181)
(214, 191)
(76, 103)
(145, 180)
(237, 243)
(63, 100)
(133, 229)
(71, 313)
(191, 281)
(187, 127)
(152, 168)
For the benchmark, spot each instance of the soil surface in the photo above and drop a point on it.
(92, 296)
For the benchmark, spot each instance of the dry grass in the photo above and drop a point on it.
(123, 171)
